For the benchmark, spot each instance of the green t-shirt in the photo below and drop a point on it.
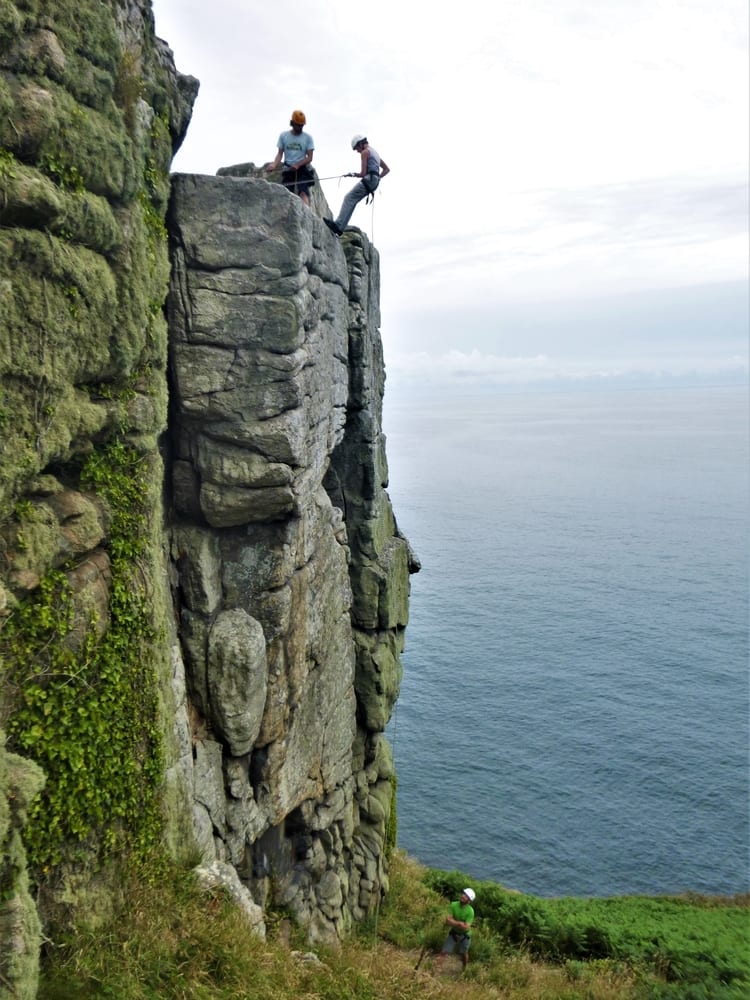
(463, 913)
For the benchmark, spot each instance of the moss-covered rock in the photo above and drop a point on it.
(378, 676)
(91, 113)
(20, 929)
(10, 24)
(77, 146)
(31, 200)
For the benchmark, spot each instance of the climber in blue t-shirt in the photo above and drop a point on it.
(297, 149)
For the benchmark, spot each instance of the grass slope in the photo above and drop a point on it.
(173, 941)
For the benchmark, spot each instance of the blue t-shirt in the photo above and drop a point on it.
(295, 147)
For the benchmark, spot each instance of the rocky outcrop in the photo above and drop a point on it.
(92, 113)
(203, 590)
(20, 930)
(292, 579)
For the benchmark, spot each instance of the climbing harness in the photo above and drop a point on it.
(338, 177)
(303, 179)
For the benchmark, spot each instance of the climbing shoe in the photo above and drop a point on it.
(333, 227)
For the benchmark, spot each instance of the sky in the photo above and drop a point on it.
(568, 196)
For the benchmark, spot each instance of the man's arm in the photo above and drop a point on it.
(364, 155)
(276, 162)
(384, 168)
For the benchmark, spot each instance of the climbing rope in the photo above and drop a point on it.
(339, 178)
(333, 177)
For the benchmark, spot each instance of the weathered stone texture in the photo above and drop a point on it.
(92, 113)
(86, 138)
(20, 929)
(282, 520)
(277, 666)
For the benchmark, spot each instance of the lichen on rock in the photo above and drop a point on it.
(203, 588)
(92, 110)
(20, 928)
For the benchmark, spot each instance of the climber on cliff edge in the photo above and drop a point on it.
(371, 171)
(297, 147)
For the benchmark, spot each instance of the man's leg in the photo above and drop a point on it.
(307, 179)
(350, 202)
(446, 950)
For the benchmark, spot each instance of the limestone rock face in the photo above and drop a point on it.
(292, 578)
(219, 874)
(236, 676)
(20, 929)
(93, 110)
(203, 589)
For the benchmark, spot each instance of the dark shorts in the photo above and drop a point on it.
(298, 181)
(459, 943)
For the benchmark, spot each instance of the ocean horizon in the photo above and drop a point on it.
(573, 717)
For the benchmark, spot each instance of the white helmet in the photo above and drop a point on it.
(356, 139)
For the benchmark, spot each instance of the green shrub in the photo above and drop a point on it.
(694, 942)
(88, 712)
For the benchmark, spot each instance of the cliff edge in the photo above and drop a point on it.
(203, 590)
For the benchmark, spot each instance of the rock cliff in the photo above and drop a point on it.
(203, 590)
(291, 576)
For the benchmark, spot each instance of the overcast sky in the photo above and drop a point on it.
(569, 185)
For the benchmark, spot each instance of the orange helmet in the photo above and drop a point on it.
(298, 118)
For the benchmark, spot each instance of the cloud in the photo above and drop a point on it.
(473, 365)
(685, 208)
(587, 241)
(425, 372)
(568, 89)
(677, 332)
(542, 151)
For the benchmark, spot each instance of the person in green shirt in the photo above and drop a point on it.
(460, 918)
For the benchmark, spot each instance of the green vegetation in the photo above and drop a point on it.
(65, 174)
(174, 941)
(84, 185)
(699, 946)
(129, 87)
(83, 701)
(391, 830)
(7, 163)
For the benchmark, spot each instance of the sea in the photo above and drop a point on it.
(574, 711)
